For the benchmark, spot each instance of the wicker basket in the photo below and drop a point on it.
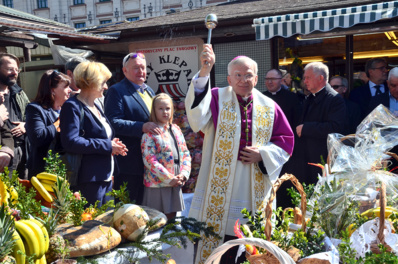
(382, 220)
(280, 255)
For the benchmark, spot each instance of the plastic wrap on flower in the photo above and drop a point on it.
(197, 156)
(199, 140)
(356, 164)
(190, 140)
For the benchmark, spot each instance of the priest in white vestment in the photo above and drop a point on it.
(247, 141)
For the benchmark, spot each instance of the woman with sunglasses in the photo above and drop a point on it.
(42, 114)
(93, 137)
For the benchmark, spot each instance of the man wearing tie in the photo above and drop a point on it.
(127, 106)
(377, 72)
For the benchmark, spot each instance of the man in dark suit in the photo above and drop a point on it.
(353, 117)
(287, 100)
(322, 114)
(290, 105)
(127, 106)
(390, 98)
(376, 70)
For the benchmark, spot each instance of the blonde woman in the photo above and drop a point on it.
(95, 138)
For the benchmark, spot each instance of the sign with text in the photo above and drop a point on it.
(171, 69)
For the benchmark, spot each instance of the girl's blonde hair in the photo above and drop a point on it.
(91, 75)
(159, 97)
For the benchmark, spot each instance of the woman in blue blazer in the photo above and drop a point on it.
(95, 139)
(42, 117)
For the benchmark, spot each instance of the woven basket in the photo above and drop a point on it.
(382, 220)
(280, 255)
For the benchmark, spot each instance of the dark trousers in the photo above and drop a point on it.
(95, 191)
(230, 256)
(135, 186)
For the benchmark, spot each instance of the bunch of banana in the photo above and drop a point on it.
(6, 192)
(375, 212)
(20, 258)
(35, 238)
(40, 188)
(48, 180)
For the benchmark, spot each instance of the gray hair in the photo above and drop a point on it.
(242, 60)
(73, 62)
(393, 73)
(319, 69)
(343, 80)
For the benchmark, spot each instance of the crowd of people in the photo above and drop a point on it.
(251, 138)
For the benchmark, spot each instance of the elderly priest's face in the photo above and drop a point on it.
(243, 79)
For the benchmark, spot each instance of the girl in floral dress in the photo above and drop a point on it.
(166, 159)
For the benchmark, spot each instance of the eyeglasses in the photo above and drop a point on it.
(272, 79)
(337, 86)
(133, 56)
(382, 68)
(246, 77)
(13, 70)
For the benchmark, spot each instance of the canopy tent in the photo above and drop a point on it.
(326, 20)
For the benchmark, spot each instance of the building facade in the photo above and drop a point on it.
(88, 13)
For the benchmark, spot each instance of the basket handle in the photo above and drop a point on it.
(382, 218)
(268, 208)
(281, 255)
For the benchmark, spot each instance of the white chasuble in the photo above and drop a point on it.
(225, 185)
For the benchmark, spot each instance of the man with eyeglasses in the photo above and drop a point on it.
(247, 141)
(127, 106)
(323, 113)
(353, 117)
(287, 100)
(15, 100)
(377, 72)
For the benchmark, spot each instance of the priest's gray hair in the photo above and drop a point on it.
(242, 60)
(393, 73)
(319, 69)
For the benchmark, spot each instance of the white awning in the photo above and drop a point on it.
(326, 20)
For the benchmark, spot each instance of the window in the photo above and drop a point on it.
(78, 2)
(80, 25)
(105, 21)
(42, 4)
(133, 18)
(8, 3)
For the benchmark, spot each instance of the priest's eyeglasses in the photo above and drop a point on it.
(246, 77)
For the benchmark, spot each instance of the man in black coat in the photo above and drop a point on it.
(376, 70)
(290, 105)
(353, 117)
(323, 113)
(287, 100)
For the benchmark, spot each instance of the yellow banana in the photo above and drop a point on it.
(43, 260)
(39, 236)
(48, 187)
(14, 195)
(39, 187)
(376, 212)
(20, 258)
(48, 176)
(45, 233)
(3, 193)
(47, 182)
(30, 240)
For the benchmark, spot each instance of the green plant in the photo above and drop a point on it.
(295, 195)
(347, 254)
(77, 209)
(122, 196)
(384, 257)
(54, 164)
(308, 242)
(6, 230)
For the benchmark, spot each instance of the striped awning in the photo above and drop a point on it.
(326, 20)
